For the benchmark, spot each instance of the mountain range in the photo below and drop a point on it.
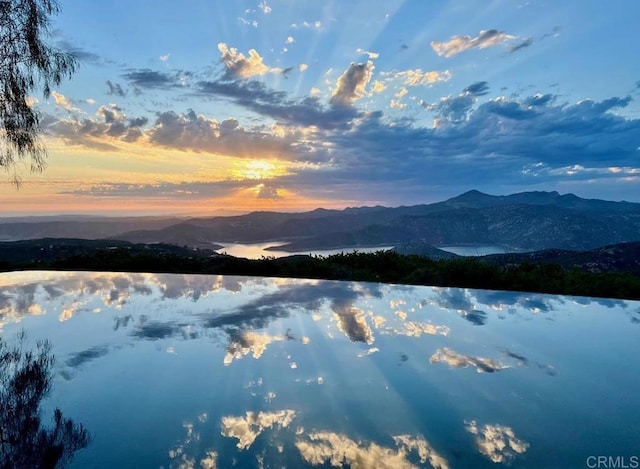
(526, 221)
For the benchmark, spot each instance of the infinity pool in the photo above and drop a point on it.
(198, 371)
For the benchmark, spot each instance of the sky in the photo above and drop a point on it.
(217, 107)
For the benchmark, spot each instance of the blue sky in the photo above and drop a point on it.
(212, 106)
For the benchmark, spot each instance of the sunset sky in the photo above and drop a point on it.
(217, 106)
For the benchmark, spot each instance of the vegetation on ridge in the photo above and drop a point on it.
(381, 266)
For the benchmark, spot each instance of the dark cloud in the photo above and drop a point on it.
(480, 88)
(476, 317)
(110, 123)
(80, 358)
(84, 56)
(191, 131)
(268, 192)
(522, 45)
(256, 97)
(115, 89)
(154, 330)
(152, 79)
(258, 313)
(539, 100)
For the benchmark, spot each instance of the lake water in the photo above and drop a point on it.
(221, 371)
(259, 250)
(474, 250)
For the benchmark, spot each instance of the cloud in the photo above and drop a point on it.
(64, 102)
(290, 40)
(81, 54)
(352, 321)
(457, 44)
(522, 45)
(456, 360)
(268, 192)
(418, 77)
(80, 358)
(266, 9)
(196, 132)
(320, 448)
(153, 79)
(247, 429)
(352, 83)
(308, 25)
(115, 89)
(257, 97)
(239, 66)
(111, 125)
(241, 343)
(181, 190)
(480, 88)
(165, 57)
(371, 55)
(496, 442)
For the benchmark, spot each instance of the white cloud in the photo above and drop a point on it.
(64, 102)
(457, 44)
(290, 40)
(238, 65)
(308, 25)
(352, 83)
(371, 55)
(266, 9)
(165, 57)
(418, 77)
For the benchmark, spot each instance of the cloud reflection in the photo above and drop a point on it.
(320, 448)
(456, 360)
(246, 429)
(497, 442)
(241, 343)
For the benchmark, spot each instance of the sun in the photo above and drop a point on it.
(260, 169)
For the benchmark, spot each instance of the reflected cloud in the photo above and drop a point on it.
(153, 330)
(456, 360)
(179, 454)
(244, 342)
(496, 442)
(477, 317)
(417, 329)
(80, 358)
(320, 448)
(246, 429)
(353, 323)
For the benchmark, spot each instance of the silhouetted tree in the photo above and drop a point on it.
(27, 63)
(25, 379)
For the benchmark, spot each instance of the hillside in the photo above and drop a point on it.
(522, 222)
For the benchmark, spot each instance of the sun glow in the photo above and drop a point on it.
(260, 169)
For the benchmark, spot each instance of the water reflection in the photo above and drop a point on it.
(25, 380)
(223, 371)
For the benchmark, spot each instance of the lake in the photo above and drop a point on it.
(198, 371)
(259, 250)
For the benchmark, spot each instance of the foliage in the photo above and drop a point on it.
(27, 63)
(25, 379)
(381, 266)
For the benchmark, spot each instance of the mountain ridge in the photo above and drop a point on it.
(523, 221)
